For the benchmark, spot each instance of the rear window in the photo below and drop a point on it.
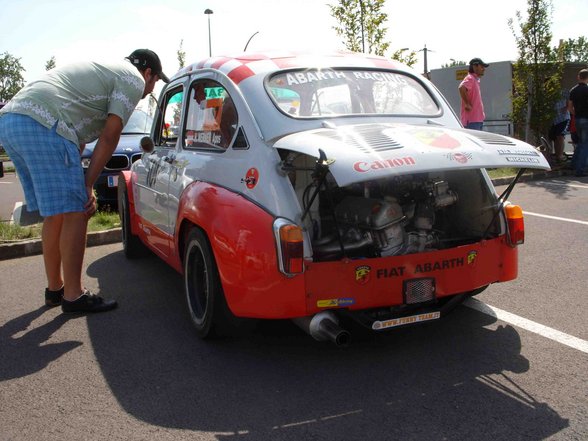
(334, 92)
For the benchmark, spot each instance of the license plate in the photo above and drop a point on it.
(113, 181)
(401, 321)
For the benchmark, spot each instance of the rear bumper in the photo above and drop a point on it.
(372, 283)
(367, 284)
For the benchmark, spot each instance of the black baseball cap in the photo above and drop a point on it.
(478, 61)
(145, 58)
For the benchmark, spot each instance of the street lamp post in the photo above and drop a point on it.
(245, 50)
(208, 12)
(425, 51)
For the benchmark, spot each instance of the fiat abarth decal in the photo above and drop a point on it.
(321, 189)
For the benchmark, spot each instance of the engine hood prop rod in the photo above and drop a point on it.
(511, 186)
(502, 199)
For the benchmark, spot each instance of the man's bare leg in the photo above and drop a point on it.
(559, 147)
(73, 246)
(50, 236)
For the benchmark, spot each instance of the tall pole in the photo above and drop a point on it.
(362, 30)
(425, 51)
(208, 12)
(245, 50)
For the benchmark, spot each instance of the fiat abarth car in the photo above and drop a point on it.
(127, 151)
(328, 190)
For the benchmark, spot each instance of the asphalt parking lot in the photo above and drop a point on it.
(509, 366)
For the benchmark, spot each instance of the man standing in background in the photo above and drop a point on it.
(472, 107)
(558, 128)
(578, 106)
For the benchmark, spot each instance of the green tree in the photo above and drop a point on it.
(453, 63)
(181, 53)
(536, 73)
(11, 79)
(50, 64)
(573, 50)
(361, 24)
(405, 56)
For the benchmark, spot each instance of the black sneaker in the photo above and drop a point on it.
(53, 298)
(87, 302)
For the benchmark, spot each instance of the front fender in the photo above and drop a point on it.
(241, 236)
(125, 181)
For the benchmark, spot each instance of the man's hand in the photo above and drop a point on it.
(90, 206)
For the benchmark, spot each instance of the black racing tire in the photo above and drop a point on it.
(132, 245)
(207, 306)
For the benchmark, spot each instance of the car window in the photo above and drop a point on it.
(139, 123)
(333, 92)
(211, 118)
(168, 121)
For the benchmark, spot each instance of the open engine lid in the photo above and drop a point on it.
(371, 151)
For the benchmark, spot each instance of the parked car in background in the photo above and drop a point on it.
(323, 190)
(127, 152)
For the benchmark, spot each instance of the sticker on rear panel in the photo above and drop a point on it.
(401, 321)
(335, 303)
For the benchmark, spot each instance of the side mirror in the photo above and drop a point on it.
(147, 144)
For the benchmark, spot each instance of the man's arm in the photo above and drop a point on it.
(571, 107)
(104, 148)
(463, 93)
(102, 153)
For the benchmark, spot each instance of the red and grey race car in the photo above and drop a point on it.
(320, 189)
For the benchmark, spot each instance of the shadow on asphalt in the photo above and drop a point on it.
(450, 378)
(26, 354)
(558, 186)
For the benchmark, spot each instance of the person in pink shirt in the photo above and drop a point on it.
(472, 107)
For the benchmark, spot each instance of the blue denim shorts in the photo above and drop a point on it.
(47, 165)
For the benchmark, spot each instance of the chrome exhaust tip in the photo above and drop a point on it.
(324, 326)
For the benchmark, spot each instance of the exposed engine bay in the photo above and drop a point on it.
(391, 216)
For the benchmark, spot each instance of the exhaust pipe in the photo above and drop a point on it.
(324, 326)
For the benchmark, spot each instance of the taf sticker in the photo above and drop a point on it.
(251, 178)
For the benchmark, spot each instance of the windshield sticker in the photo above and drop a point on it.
(309, 77)
(384, 77)
(363, 166)
(324, 75)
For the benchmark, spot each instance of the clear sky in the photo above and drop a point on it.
(36, 30)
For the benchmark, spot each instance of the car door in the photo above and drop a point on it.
(152, 184)
(209, 128)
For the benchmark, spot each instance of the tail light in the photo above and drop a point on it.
(290, 247)
(516, 224)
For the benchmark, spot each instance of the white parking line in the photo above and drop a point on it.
(565, 219)
(544, 331)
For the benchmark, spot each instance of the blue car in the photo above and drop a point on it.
(127, 152)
